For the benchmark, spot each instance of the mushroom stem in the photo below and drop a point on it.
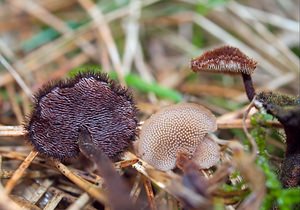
(248, 84)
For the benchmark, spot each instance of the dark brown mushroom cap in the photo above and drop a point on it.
(174, 129)
(225, 59)
(89, 100)
(207, 154)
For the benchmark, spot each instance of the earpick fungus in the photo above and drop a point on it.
(89, 100)
(176, 129)
(229, 60)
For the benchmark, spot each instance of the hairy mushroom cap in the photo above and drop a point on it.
(89, 100)
(225, 59)
(174, 129)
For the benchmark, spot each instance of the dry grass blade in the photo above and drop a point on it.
(136, 188)
(125, 163)
(12, 98)
(106, 35)
(169, 182)
(12, 130)
(6, 203)
(149, 192)
(45, 16)
(245, 164)
(132, 33)
(39, 192)
(16, 76)
(51, 205)
(148, 44)
(20, 171)
(251, 139)
(80, 202)
(91, 189)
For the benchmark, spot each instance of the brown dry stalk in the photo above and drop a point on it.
(47, 17)
(168, 182)
(149, 192)
(80, 203)
(105, 34)
(20, 171)
(252, 174)
(245, 128)
(91, 189)
(125, 163)
(12, 99)
(12, 130)
(6, 203)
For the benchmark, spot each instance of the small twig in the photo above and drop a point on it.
(80, 203)
(125, 163)
(12, 130)
(44, 15)
(39, 192)
(149, 192)
(6, 174)
(6, 203)
(132, 32)
(136, 189)
(169, 182)
(270, 18)
(251, 139)
(105, 34)
(240, 123)
(15, 106)
(20, 171)
(251, 173)
(16, 76)
(91, 189)
(51, 205)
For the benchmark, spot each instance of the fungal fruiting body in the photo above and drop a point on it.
(225, 59)
(89, 100)
(173, 130)
(229, 60)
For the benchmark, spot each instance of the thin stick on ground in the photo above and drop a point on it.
(12, 130)
(251, 139)
(80, 203)
(91, 189)
(136, 188)
(125, 163)
(20, 171)
(149, 192)
(6, 203)
(12, 99)
(45, 16)
(16, 76)
(52, 204)
(105, 33)
(169, 182)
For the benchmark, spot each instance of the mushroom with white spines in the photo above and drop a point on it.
(175, 129)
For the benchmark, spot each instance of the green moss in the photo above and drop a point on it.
(285, 199)
(278, 99)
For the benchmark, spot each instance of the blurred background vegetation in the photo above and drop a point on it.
(147, 46)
